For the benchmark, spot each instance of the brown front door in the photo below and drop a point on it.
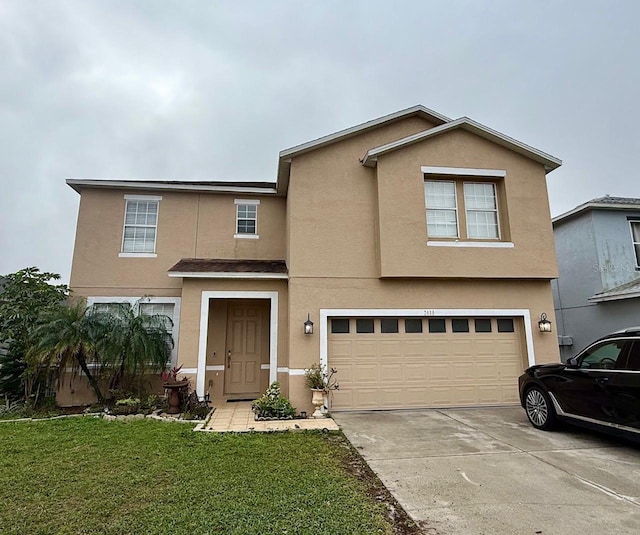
(244, 345)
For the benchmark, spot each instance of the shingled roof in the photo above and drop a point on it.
(217, 268)
(604, 203)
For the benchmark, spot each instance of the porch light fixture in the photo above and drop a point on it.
(308, 326)
(544, 324)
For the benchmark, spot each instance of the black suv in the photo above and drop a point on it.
(598, 387)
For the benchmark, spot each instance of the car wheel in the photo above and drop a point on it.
(539, 409)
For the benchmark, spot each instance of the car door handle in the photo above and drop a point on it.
(602, 380)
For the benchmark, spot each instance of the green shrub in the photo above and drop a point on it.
(273, 405)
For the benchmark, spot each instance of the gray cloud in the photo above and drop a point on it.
(213, 90)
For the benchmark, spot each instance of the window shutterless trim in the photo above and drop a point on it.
(494, 210)
(246, 202)
(497, 244)
(634, 243)
(140, 198)
(464, 171)
(456, 209)
(138, 255)
(143, 197)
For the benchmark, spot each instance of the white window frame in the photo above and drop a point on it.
(246, 202)
(455, 196)
(496, 210)
(429, 173)
(143, 198)
(175, 301)
(635, 243)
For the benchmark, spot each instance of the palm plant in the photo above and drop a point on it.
(69, 339)
(135, 344)
(113, 346)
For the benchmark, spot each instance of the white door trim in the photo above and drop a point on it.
(204, 323)
(326, 313)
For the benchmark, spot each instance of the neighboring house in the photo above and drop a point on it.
(598, 290)
(420, 247)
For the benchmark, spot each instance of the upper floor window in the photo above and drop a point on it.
(482, 210)
(246, 218)
(442, 207)
(635, 237)
(465, 210)
(140, 225)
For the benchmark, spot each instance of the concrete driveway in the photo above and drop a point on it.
(487, 471)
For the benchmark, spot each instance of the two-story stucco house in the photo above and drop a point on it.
(420, 247)
(598, 289)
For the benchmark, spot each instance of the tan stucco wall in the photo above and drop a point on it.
(332, 206)
(353, 221)
(189, 225)
(402, 223)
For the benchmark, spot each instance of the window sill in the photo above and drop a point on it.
(491, 244)
(137, 255)
(247, 236)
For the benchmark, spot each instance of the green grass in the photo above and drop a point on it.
(87, 475)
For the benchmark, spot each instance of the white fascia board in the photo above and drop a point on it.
(325, 140)
(226, 275)
(550, 162)
(464, 171)
(77, 183)
(594, 205)
(284, 163)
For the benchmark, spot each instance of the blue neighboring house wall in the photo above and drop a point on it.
(598, 289)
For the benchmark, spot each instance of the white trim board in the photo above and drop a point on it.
(78, 183)
(143, 197)
(494, 244)
(326, 313)
(204, 324)
(463, 171)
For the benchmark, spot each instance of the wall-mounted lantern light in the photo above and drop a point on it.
(308, 326)
(544, 324)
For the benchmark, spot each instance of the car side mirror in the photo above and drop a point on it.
(573, 362)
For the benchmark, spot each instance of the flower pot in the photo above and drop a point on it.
(317, 399)
(174, 389)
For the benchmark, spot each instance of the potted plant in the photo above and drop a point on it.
(321, 383)
(175, 387)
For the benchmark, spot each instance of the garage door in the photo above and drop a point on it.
(425, 362)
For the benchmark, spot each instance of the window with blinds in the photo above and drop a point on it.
(140, 225)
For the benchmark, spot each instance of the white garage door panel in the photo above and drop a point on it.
(395, 370)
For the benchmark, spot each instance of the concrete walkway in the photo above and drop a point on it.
(487, 471)
(237, 417)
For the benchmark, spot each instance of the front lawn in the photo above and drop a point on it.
(87, 475)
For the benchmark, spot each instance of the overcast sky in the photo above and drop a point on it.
(207, 90)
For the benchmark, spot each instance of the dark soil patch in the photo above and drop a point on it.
(353, 462)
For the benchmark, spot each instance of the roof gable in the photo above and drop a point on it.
(284, 165)
(550, 162)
